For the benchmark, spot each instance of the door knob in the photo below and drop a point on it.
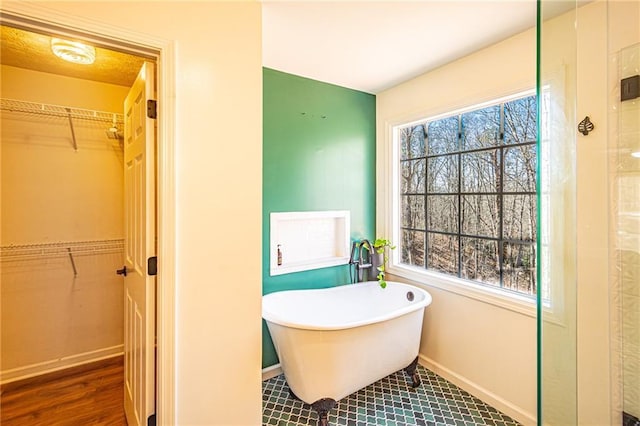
(122, 271)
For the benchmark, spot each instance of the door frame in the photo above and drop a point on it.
(32, 16)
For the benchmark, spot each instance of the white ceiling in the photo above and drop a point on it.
(374, 45)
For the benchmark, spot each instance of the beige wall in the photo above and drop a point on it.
(53, 89)
(592, 233)
(50, 194)
(486, 349)
(218, 162)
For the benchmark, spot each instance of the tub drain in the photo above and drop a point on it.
(410, 296)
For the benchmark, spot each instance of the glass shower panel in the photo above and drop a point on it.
(556, 87)
(627, 224)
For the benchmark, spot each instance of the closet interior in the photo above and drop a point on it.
(62, 211)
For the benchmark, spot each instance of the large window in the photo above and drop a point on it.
(468, 194)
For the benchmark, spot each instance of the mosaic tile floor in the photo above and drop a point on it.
(388, 402)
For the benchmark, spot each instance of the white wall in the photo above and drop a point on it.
(486, 349)
(218, 184)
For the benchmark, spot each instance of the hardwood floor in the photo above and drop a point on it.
(91, 394)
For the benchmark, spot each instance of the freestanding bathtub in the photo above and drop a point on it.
(332, 342)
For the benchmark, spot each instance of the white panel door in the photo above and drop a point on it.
(140, 244)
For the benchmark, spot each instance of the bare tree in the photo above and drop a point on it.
(469, 194)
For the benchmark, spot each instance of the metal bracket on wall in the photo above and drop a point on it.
(585, 126)
(73, 263)
(73, 133)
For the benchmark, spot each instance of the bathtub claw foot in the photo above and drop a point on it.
(415, 379)
(323, 420)
(323, 406)
(411, 371)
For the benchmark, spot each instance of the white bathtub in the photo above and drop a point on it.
(332, 342)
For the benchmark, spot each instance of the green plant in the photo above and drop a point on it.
(379, 246)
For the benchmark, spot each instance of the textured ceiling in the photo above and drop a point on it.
(32, 51)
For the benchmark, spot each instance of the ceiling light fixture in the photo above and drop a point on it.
(73, 51)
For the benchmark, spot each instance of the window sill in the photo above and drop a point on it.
(513, 302)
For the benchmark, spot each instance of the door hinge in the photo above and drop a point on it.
(152, 108)
(151, 420)
(152, 265)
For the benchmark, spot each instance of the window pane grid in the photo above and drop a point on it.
(504, 240)
(470, 193)
(469, 151)
(474, 189)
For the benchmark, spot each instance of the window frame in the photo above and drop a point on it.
(389, 191)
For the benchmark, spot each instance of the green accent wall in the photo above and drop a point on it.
(319, 144)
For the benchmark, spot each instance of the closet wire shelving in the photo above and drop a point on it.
(64, 112)
(14, 253)
(59, 111)
(22, 252)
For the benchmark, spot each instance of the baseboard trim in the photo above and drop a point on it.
(28, 371)
(517, 413)
(271, 372)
